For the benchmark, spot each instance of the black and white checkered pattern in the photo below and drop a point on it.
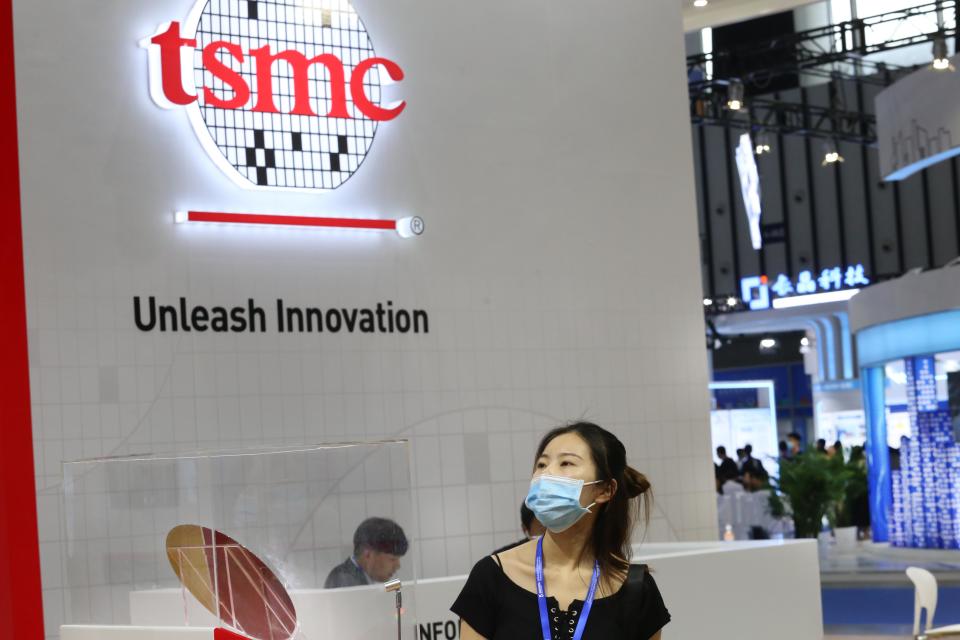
(283, 150)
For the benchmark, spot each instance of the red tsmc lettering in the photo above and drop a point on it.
(171, 44)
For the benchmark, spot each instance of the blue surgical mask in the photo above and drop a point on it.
(555, 501)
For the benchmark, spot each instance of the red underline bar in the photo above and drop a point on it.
(290, 221)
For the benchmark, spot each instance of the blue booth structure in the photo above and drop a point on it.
(914, 501)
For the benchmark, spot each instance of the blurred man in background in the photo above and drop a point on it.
(378, 545)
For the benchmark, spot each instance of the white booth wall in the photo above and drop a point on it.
(547, 147)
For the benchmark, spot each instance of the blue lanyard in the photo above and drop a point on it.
(542, 597)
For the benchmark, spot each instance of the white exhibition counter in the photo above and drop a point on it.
(714, 590)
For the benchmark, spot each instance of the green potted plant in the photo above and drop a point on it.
(813, 485)
(850, 511)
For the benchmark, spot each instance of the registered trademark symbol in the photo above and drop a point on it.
(416, 225)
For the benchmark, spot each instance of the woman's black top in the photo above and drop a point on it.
(498, 608)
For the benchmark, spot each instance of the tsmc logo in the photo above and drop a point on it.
(283, 94)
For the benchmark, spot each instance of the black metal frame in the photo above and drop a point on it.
(848, 40)
(786, 118)
(848, 45)
(836, 122)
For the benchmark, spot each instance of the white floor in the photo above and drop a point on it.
(880, 563)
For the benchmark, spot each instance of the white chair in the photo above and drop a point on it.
(925, 597)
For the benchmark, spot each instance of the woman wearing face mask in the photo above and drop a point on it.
(575, 582)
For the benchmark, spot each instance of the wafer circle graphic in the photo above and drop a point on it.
(284, 94)
(232, 583)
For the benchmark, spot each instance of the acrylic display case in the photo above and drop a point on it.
(259, 542)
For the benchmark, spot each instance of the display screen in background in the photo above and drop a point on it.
(953, 399)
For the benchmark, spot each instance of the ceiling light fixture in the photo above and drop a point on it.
(941, 60)
(735, 95)
(831, 154)
(762, 143)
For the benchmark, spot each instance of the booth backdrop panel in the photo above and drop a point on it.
(547, 148)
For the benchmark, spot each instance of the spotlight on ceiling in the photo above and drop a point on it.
(762, 143)
(708, 302)
(804, 341)
(731, 301)
(699, 4)
(768, 344)
(735, 95)
(831, 154)
(941, 61)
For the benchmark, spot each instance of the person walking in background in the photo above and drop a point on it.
(836, 449)
(784, 451)
(576, 581)
(794, 440)
(860, 500)
(728, 467)
(753, 465)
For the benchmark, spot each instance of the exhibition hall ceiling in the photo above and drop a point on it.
(720, 12)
